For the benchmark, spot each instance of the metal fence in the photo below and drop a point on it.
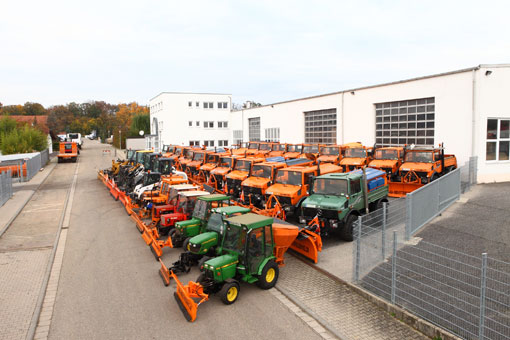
(5, 187)
(45, 157)
(27, 165)
(465, 294)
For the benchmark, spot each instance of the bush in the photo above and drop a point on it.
(6, 126)
(23, 140)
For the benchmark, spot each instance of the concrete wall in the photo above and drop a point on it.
(135, 143)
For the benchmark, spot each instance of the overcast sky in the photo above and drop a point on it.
(55, 52)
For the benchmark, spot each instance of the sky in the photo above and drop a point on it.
(56, 52)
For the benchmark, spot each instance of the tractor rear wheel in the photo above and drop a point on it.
(175, 237)
(229, 292)
(347, 230)
(269, 275)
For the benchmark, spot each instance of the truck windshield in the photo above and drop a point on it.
(225, 162)
(279, 147)
(188, 153)
(355, 153)
(155, 164)
(235, 238)
(73, 135)
(212, 158)
(243, 165)
(420, 156)
(198, 156)
(200, 210)
(178, 151)
(165, 148)
(289, 177)
(327, 186)
(386, 154)
(263, 171)
(215, 223)
(264, 147)
(330, 151)
(310, 149)
(253, 146)
(294, 148)
(165, 167)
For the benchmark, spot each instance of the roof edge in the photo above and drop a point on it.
(205, 93)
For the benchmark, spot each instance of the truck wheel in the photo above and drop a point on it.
(434, 177)
(185, 244)
(346, 231)
(59, 160)
(229, 292)
(269, 275)
(174, 237)
(201, 278)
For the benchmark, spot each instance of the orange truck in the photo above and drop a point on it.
(293, 151)
(198, 159)
(422, 165)
(278, 150)
(330, 154)
(242, 171)
(262, 176)
(292, 185)
(311, 149)
(218, 176)
(68, 151)
(389, 160)
(212, 160)
(356, 158)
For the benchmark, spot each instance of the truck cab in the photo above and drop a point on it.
(242, 170)
(218, 175)
(356, 157)
(198, 159)
(68, 151)
(293, 151)
(311, 149)
(292, 184)
(337, 199)
(279, 150)
(330, 154)
(389, 160)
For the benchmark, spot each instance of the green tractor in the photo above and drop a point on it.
(253, 249)
(204, 245)
(183, 231)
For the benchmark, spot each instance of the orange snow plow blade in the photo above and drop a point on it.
(164, 273)
(158, 245)
(399, 189)
(138, 221)
(184, 296)
(302, 241)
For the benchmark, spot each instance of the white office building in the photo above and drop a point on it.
(189, 119)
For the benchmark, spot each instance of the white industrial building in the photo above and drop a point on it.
(189, 119)
(465, 109)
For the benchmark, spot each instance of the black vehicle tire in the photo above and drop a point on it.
(229, 292)
(201, 262)
(185, 244)
(201, 278)
(346, 233)
(434, 177)
(269, 276)
(59, 160)
(379, 205)
(176, 239)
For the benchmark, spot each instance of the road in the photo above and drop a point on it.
(110, 288)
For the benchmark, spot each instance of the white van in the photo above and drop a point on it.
(75, 137)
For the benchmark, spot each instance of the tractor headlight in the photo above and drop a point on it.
(302, 219)
(333, 223)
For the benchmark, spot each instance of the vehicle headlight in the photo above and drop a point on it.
(287, 208)
(269, 192)
(333, 223)
(302, 220)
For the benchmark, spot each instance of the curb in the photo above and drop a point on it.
(420, 325)
(44, 286)
(25, 203)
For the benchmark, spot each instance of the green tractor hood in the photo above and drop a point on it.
(188, 223)
(201, 243)
(222, 267)
(327, 202)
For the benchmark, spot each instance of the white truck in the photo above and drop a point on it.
(74, 137)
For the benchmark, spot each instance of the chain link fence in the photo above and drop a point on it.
(5, 187)
(468, 295)
(25, 166)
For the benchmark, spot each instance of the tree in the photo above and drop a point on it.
(34, 109)
(139, 122)
(13, 110)
(23, 140)
(6, 126)
(60, 118)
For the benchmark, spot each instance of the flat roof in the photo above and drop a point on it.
(474, 68)
(250, 220)
(200, 93)
(194, 193)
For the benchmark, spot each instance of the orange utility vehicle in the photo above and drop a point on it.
(293, 151)
(186, 157)
(262, 176)
(330, 154)
(218, 177)
(68, 152)
(389, 160)
(311, 150)
(422, 165)
(292, 184)
(198, 159)
(278, 150)
(356, 158)
(242, 171)
(211, 162)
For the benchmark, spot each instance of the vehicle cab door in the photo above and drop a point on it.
(355, 194)
(258, 247)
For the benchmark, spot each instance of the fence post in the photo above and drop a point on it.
(358, 252)
(383, 235)
(409, 216)
(394, 268)
(483, 288)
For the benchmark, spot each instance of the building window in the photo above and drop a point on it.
(208, 142)
(208, 125)
(197, 123)
(223, 142)
(222, 105)
(190, 123)
(238, 137)
(197, 104)
(208, 105)
(194, 143)
(254, 129)
(320, 126)
(405, 122)
(190, 104)
(498, 140)
(272, 135)
(223, 125)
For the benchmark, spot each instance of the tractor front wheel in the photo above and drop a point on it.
(229, 292)
(185, 244)
(269, 275)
